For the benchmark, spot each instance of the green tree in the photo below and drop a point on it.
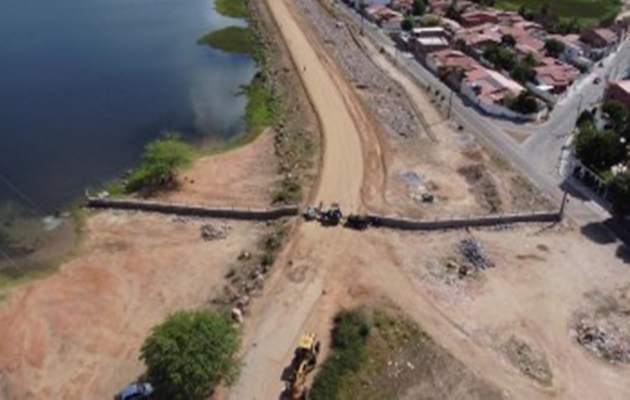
(500, 56)
(525, 103)
(616, 111)
(554, 47)
(190, 353)
(406, 24)
(508, 40)
(598, 150)
(418, 7)
(161, 161)
(586, 117)
(619, 194)
(523, 72)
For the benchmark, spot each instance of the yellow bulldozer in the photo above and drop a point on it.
(304, 361)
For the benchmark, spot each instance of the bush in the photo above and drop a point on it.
(619, 194)
(616, 111)
(161, 161)
(406, 24)
(348, 353)
(190, 353)
(598, 150)
(554, 47)
(525, 103)
(418, 8)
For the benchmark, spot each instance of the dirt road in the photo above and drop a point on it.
(294, 298)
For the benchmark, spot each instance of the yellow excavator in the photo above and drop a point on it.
(304, 361)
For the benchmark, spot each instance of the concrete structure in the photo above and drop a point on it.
(620, 91)
(425, 45)
(195, 210)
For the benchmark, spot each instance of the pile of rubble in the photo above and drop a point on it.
(474, 254)
(612, 345)
(244, 282)
(385, 96)
(212, 232)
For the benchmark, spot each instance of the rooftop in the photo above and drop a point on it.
(623, 85)
(453, 58)
(492, 87)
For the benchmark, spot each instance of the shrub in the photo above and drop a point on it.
(619, 194)
(598, 150)
(190, 353)
(161, 161)
(348, 353)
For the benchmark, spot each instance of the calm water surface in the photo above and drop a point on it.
(84, 84)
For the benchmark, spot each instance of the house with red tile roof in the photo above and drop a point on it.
(554, 76)
(479, 17)
(449, 58)
(490, 91)
(620, 91)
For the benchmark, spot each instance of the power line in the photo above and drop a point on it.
(22, 195)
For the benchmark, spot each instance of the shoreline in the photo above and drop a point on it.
(39, 264)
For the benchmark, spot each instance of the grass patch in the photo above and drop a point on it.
(379, 354)
(347, 355)
(588, 13)
(232, 39)
(232, 8)
(287, 191)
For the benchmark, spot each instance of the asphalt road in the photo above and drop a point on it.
(538, 156)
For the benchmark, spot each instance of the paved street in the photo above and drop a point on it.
(538, 156)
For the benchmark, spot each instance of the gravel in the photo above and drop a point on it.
(383, 95)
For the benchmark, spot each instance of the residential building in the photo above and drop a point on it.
(554, 76)
(479, 17)
(490, 91)
(449, 58)
(573, 49)
(402, 6)
(422, 46)
(598, 42)
(599, 38)
(620, 91)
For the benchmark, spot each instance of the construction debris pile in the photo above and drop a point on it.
(212, 232)
(385, 96)
(244, 282)
(611, 344)
(474, 254)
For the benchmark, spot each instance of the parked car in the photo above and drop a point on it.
(136, 391)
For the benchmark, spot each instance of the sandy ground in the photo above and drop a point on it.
(219, 181)
(77, 334)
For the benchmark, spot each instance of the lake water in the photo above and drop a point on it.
(84, 84)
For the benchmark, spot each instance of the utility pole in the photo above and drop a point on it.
(564, 202)
(450, 104)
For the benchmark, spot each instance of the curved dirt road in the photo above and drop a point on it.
(341, 175)
(295, 299)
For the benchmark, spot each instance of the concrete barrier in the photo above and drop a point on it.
(467, 222)
(195, 210)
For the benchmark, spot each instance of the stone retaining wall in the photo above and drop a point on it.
(469, 222)
(195, 210)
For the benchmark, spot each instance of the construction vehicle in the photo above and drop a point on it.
(304, 361)
(330, 217)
